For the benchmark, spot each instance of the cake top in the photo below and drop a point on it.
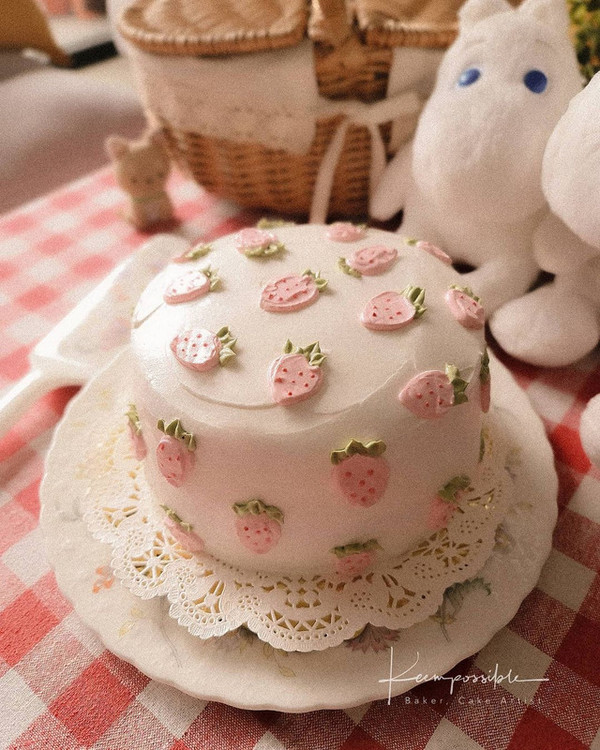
(289, 327)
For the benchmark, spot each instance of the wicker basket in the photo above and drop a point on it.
(278, 180)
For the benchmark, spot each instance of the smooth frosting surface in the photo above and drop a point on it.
(359, 362)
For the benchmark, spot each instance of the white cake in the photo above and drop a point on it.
(254, 470)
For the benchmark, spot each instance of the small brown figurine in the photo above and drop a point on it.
(141, 169)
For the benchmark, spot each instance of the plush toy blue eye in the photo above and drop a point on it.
(469, 76)
(535, 81)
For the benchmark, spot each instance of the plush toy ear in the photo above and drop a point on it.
(157, 137)
(116, 147)
(474, 11)
(551, 12)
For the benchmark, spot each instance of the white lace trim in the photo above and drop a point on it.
(299, 613)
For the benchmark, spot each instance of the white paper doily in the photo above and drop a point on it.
(239, 669)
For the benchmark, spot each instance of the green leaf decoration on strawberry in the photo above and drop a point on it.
(194, 253)
(312, 352)
(354, 548)
(485, 382)
(198, 251)
(212, 276)
(134, 419)
(451, 489)
(481, 446)
(466, 290)
(175, 430)
(484, 371)
(256, 507)
(320, 282)
(176, 518)
(416, 296)
(373, 448)
(458, 384)
(228, 343)
(135, 433)
(345, 268)
(267, 223)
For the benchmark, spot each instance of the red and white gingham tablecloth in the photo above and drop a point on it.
(61, 690)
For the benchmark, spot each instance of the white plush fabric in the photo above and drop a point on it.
(590, 430)
(559, 323)
(471, 179)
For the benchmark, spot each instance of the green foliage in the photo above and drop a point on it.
(585, 28)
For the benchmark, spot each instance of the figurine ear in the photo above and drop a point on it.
(551, 12)
(116, 147)
(157, 137)
(474, 11)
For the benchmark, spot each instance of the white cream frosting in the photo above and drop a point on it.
(249, 447)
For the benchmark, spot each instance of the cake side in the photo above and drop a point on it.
(293, 458)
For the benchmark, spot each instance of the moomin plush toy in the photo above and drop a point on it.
(142, 168)
(470, 181)
(559, 323)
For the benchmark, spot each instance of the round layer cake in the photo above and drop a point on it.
(308, 398)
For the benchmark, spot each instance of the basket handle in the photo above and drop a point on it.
(329, 22)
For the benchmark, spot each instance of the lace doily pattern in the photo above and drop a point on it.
(294, 613)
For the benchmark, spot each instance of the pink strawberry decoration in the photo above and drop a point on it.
(182, 531)
(446, 502)
(258, 526)
(465, 306)
(258, 243)
(175, 452)
(440, 513)
(201, 350)
(432, 249)
(369, 261)
(485, 382)
(430, 394)
(296, 375)
(135, 432)
(290, 293)
(360, 472)
(191, 285)
(196, 252)
(355, 558)
(389, 311)
(344, 231)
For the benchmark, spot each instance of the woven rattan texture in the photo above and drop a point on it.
(176, 28)
(256, 176)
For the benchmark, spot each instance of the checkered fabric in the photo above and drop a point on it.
(61, 690)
